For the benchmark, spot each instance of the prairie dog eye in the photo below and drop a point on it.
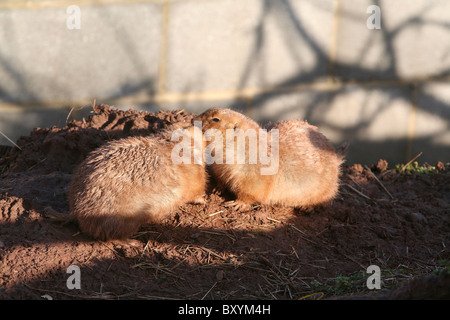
(215, 119)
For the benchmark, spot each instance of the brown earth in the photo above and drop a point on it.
(397, 220)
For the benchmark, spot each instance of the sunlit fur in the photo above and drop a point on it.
(130, 182)
(309, 167)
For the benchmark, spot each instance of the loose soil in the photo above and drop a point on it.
(397, 220)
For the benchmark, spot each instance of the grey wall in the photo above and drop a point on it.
(387, 90)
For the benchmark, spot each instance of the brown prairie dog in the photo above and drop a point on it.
(130, 182)
(243, 179)
(308, 169)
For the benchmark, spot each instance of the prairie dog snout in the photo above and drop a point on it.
(133, 181)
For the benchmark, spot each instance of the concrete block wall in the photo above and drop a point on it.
(386, 90)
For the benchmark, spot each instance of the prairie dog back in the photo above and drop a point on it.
(309, 166)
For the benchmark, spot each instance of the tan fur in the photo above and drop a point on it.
(243, 180)
(309, 167)
(130, 182)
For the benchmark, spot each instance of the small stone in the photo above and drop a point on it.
(418, 217)
(220, 275)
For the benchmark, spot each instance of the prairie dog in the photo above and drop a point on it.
(130, 182)
(243, 179)
(308, 171)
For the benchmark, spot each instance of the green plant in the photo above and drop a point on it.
(414, 167)
(445, 267)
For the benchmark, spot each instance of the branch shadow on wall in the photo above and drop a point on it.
(363, 148)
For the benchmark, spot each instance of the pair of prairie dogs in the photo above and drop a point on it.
(134, 181)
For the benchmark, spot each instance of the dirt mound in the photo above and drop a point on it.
(395, 218)
(61, 149)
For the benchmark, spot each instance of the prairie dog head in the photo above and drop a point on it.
(223, 119)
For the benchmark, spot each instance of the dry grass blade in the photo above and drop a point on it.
(219, 233)
(212, 253)
(274, 220)
(70, 112)
(209, 291)
(379, 182)
(410, 161)
(280, 279)
(358, 192)
(213, 214)
(10, 140)
(158, 268)
(302, 234)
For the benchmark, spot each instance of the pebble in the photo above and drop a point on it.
(220, 275)
(418, 217)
